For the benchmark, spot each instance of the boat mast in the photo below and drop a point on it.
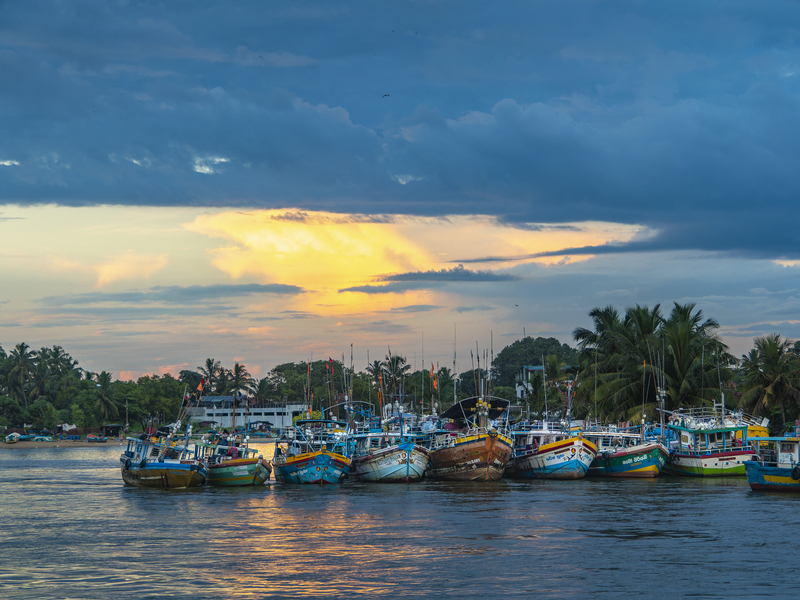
(454, 363)
(422, 397)
(544, 387)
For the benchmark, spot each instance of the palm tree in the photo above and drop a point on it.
(105, 402)
(615, 359)
(395, 370)
(264, 389)
(694, 358)
(209, 371)
(222, 383)
(772, 375)
(22, 361)
(240, 379)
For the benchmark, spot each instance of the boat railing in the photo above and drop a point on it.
(717, 414)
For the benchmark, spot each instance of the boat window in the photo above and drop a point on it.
(787, 448)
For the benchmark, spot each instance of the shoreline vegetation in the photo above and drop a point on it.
(59, 444)
(618, 372)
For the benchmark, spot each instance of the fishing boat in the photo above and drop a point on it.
(12, 438)
(390, 455)
(233, 463)
(776, 466)
(544, 450)
(162, 463)
(316, 453)
(473, 444)
(625, 454)
(711, 446)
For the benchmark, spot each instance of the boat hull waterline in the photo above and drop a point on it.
(719, 464)
(771, 479)
(166, 474)
(643, 461)
(403, 463)
(312, 467)
(239, 472)
(565, 459)
(479, 457)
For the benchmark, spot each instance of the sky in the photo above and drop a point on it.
(273, 182)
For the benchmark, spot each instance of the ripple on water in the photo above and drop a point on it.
(69, 528)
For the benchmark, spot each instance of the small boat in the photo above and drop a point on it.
(776, 466)
(98, 439)
(474, 444)
(231, 463)
(42, 438)
(387, 456)
(317, 453)
(625, 454)
(545, 451)
(162, 463)
(12, 438)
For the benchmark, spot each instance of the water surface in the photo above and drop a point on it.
(69, 528)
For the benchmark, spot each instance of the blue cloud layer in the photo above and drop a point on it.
(682, 118)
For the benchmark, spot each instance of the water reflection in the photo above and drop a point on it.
(69, 528)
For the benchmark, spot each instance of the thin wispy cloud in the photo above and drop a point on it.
(193, 294)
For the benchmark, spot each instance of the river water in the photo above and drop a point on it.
(69, 528)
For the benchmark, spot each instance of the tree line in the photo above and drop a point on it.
(622, 368)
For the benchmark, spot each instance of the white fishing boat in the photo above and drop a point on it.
(544, 450)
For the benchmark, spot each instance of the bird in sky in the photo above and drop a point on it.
(385, 96)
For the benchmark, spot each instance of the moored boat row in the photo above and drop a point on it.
(471, 441)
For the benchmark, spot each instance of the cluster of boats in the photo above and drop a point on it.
(471, 441)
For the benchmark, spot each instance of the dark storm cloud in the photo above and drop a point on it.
(389, 288)
(415, 308)
(455, 274)
(682, 118)
(193, 294)
(463, 309)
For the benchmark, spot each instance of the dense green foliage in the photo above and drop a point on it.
(529, 352)
(615, 374)
(626, 358)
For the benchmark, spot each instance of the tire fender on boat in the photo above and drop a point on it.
(127, 465)
(796, 473)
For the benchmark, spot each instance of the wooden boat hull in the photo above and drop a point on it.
(478, 457)
(311, 468)
(565, 459)
(720, 464)
(168, 474)
(239, 472)
(770, 479)
(404, 462)
(644, 460)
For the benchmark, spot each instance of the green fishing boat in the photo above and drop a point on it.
(233, 464)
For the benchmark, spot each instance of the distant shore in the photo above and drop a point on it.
(60, 444)
(85, 444)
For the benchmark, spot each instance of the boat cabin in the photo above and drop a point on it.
(708, 441)
(318, 434)
(612, 441)
(788, 449)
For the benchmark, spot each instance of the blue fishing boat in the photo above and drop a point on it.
(317, 453)
(776, 466)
